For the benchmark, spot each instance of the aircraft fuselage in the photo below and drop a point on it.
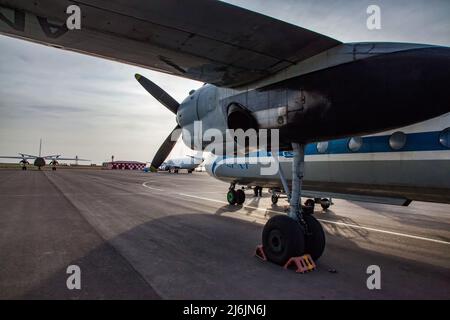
(409, 163)
(39, 162)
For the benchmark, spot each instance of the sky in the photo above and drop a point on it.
(94, 108)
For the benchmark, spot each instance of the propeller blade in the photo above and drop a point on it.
(164, 150)
(158, 93)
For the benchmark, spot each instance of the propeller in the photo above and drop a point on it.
(158, 93)
(171, 104)
(165, 148)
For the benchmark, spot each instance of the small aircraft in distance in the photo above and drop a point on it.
(40, 161)
(188, 163)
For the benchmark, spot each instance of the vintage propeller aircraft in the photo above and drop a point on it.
(260, 73)
(40, 161)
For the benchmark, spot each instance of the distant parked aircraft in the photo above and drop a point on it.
(40, 161)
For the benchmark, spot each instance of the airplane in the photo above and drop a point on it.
(40, 161)
(188, 163)
(259, 73)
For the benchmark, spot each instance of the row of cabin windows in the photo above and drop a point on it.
(397, 141)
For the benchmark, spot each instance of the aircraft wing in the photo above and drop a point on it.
(51, 157)
(26, 157)
(60, 158)
(205, 40)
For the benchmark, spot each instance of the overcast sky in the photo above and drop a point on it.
(94, 108)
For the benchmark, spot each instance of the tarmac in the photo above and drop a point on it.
(139, 235)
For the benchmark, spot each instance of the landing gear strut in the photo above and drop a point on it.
(297, 233)
(257, 191)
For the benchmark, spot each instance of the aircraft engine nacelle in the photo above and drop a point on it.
(240, 118)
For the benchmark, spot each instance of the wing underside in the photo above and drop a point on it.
(204, 40)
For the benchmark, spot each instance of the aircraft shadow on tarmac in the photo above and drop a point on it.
(414, 220)
(204, 256)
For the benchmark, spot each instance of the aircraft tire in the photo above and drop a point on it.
(283, 238)
(231, 197)
(314, 238)
(240, 196)
(325, 203)
(308, 208)
(310, 203)
(274, 199)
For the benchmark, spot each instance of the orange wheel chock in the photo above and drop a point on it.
(303, 264)
(259, 252)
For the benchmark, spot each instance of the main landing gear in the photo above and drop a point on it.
(173, 170)
(297, 233)
(309, 203)
(235, 196)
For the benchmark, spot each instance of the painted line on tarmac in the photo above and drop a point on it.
(333, 222)
(151, 188)
(399, 234)
(386, 231)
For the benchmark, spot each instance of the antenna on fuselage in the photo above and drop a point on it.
(40, 146)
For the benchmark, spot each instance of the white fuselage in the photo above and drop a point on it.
(415, 158)
(187, 163)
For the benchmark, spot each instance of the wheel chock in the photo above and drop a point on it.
(259, 252)
(303, 263)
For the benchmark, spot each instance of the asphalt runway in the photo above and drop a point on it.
(138, 235)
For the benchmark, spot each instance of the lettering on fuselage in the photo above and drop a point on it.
(242, 166)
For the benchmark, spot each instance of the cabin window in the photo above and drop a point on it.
(355, 143)
(322, 147)
(397, 140)
(444, 138)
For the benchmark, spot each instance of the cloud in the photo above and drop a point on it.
(55, 109)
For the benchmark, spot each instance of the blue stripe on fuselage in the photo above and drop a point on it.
(421, 141)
